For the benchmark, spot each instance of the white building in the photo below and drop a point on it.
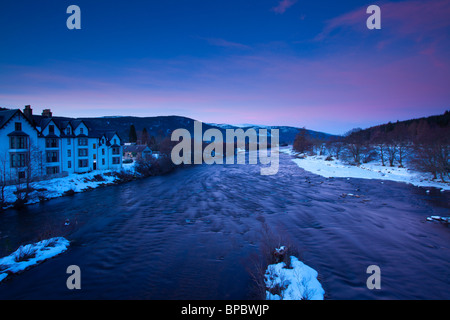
(34, 146)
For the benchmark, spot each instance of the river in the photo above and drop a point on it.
(196, 233)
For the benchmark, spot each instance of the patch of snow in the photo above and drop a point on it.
(53, 188)
(372, 170)
(129, 166)
(222, 125)
(297, 283)
(32, 254)
(439, 218)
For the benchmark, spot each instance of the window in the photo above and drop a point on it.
(82, 142)
(69, 153)
(18, 126)
(82, 152)
(93, 146)
(69, 141)
(51, 143)
(116, 160)
(69, 164)
(22, 175)
(83, 163)
(103, 161)
(81, 130)
(52, 156)
(115, 142)
(17, 142)
(18, 160)
(68, 131)
(51, 128)
(116, 150)
(103, 152)
(52, 170)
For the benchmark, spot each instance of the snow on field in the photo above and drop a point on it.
(296, 283)
(373, 170)
(32, 254)
(48, 189)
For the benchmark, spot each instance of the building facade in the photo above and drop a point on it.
(36, 146)
(136, 152)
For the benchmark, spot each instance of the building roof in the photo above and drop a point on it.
(17, 134)
(6, 115)
(41, 122)
(135, 148)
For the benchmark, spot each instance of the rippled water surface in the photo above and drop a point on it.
(194, 234)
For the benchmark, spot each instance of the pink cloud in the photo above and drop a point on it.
(283, 6)
(407, 18)
(345, 89)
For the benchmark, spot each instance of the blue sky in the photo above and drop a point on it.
(278, 62)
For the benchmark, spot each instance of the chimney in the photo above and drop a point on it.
(47, 113)
(28, 112)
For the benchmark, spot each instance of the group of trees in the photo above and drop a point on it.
(143, 137)
(152, 166)
(423, 143)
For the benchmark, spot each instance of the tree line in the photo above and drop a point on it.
(144, 138)
(423, 144)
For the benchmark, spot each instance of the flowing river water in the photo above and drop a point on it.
(195, 233)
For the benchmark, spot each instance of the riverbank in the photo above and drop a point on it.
(373, 170)
(30, 255)
(71, 184)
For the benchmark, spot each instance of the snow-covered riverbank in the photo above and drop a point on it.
(372, 170)
(73, 183)
(30, 255)
(296, 282)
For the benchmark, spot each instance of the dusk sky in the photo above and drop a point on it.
(270, 62)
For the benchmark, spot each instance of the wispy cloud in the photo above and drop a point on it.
(283, 5)
(407, 18)
(225, 43)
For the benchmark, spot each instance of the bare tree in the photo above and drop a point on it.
(432, 151)
(335, 146)
(379, 142)
(391, 149)
(3, 179)
(302, 142)
(38, 160)
(401, 136)
(354, 145)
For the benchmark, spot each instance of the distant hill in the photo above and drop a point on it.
(162, 126)
(287, 133)
(412, 127)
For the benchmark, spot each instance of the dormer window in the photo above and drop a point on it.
(51, 129)
(68, 131)
(18, 126)
(81, 130)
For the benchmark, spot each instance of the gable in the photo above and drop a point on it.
(81, 128)
(46, 130)
(8, 120)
